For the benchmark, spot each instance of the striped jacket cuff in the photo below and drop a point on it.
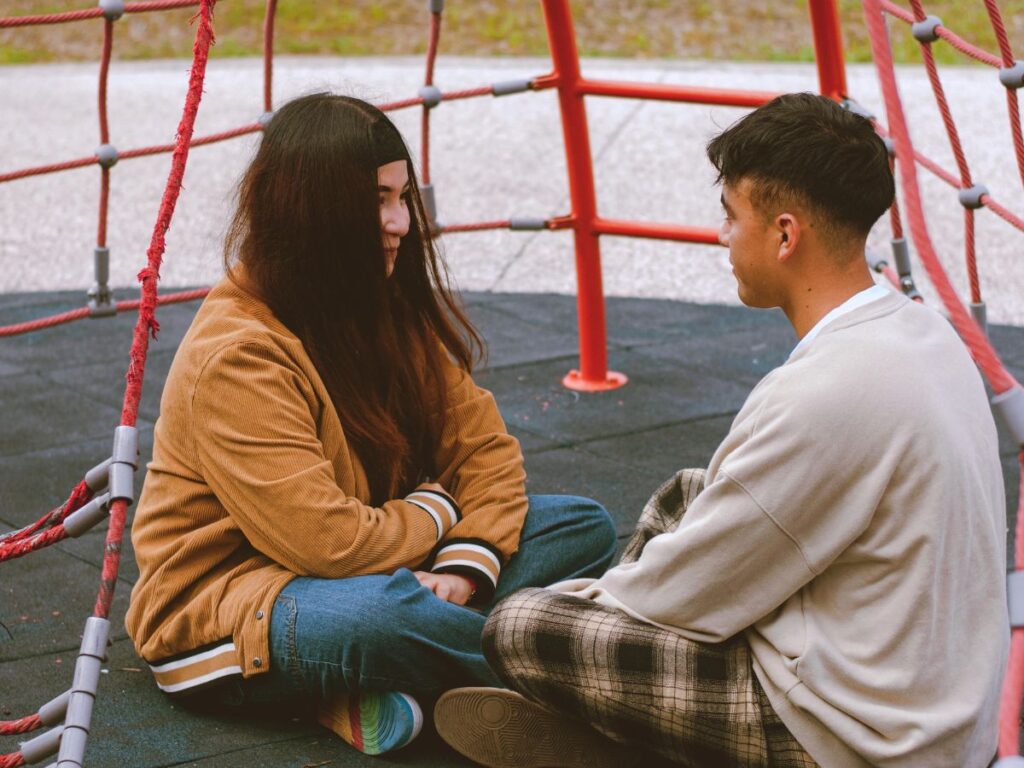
(474, 558)
(440, 506)
(197, 668)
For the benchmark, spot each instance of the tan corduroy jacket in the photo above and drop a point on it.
(253, 483)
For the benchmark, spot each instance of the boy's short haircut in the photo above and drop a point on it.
(805, 149)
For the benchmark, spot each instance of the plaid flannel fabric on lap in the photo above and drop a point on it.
(697, 704)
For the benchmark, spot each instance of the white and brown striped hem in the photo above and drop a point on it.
(440, 506)
(196, 668)
(474, 558)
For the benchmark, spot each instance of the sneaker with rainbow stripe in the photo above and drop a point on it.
(374, 722)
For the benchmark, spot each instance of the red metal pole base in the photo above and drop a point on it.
(574, 380)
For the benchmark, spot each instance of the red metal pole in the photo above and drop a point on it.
(682, 93)
(828, 48)
(593, 374)
(654, 231)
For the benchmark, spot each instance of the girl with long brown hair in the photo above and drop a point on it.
(333, 505)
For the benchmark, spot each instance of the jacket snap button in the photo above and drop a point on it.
(257, 662)
(259, 615)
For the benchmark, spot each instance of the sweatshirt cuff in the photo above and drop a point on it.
(440, 506)
(474, 558)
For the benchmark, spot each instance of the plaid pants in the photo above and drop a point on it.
(697, 704)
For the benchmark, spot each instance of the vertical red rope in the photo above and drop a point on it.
(268, 55)
(428, 79)
(149, 276)
(971, 255)
(1013, 689)
(1006, 53)
(894, 210)
(108, 44)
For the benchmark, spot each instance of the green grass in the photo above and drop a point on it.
(663, 29)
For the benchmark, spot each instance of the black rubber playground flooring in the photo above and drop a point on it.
(690, 367)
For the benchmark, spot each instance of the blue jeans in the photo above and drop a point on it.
(390, 633)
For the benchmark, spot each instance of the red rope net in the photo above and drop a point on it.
(907, 158)
(49, 528)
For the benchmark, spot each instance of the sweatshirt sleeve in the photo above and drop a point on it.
(254, 417)
(786, 502)
(481, 466)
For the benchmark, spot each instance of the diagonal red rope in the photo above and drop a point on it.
(91, 13)
(149, 276)
(22, 725)
(950, 37)
(79, 496)
(977, 343)
(83, 312)
(958, 153)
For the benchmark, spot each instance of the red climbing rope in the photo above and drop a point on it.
(958, 152)
(92, 13)
(83, 312)
(148, 276)
(999, 378)
(79, 496)
(946, 34)
(976, 341)
(1006, 52)
(13, 760)
(24, 725)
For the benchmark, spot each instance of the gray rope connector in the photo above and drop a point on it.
(1010, 405)
(901, 255)
(106, 155)
(1016, 761)
(429, 206)
(101, 298)
(53, 711)
(435, 6)
(527, 223)
(98, 477)
(431, 96)
(86, 516)
(124, 460)
(875, 261)
(970, 197)
(43, 745)
(265, 118)
(925, 31)
(506, 87)
(1015, 598)
(83, 692)
(112, 9)
(1013, 77)
(980, 315)
(857, 108)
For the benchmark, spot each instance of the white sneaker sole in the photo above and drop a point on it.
(501, 729)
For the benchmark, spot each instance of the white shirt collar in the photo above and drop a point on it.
(866, 296)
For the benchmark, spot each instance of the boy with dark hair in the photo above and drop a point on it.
(834, 593)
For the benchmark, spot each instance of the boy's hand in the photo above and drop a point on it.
(448, 586)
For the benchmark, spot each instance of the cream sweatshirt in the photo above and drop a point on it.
(854, 527)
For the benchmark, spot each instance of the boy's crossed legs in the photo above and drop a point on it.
(697, 704)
